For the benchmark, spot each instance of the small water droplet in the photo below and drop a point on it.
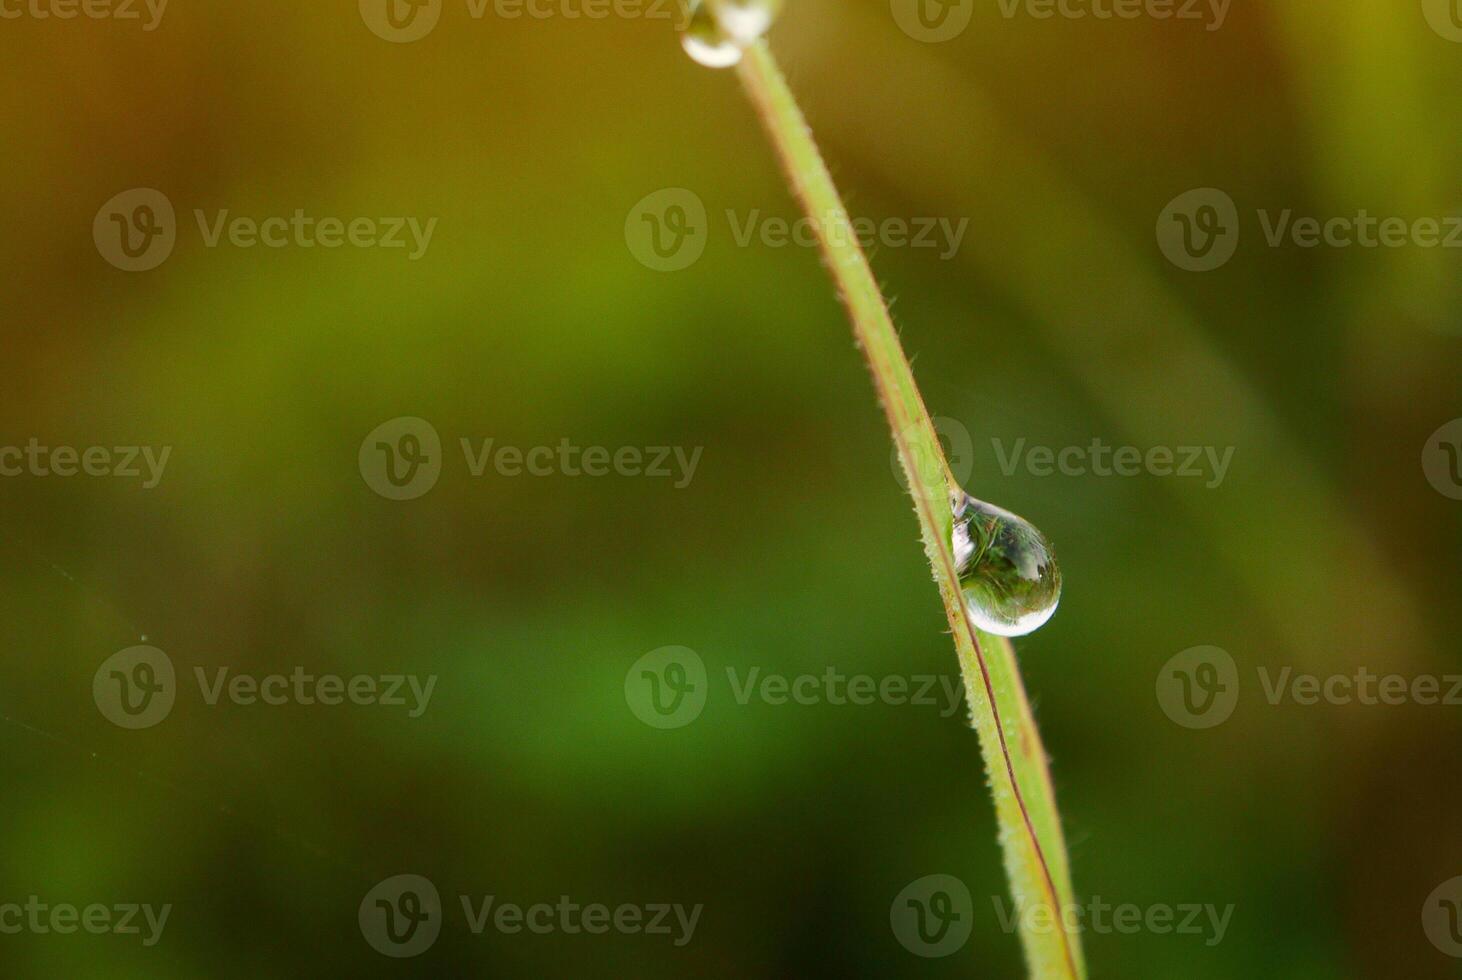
(1007, 569)
(744, 21)
(720, 30)
(706, 41)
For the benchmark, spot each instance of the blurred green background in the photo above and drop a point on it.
(529, 320)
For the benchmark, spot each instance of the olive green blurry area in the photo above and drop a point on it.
(532, 317)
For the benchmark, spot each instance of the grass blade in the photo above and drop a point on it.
(1025, 802)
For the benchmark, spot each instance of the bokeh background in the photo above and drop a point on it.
(530, 320)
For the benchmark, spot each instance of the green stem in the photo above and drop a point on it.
(1025, 802)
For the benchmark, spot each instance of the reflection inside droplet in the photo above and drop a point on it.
(1007, 569)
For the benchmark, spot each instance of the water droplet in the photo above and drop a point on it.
(744, 21)
(1007, 569)
(705, 40)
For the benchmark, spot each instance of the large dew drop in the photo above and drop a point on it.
(720, 30)
(1007, 570)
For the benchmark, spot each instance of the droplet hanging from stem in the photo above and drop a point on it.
(719, 30)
